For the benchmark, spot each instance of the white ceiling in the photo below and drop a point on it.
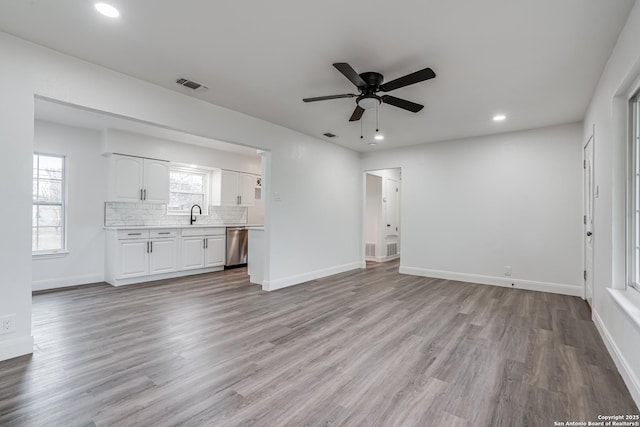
(537, 61)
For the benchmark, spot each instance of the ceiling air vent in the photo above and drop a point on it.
(329, 135)
(191, 84)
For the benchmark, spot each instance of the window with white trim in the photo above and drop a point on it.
(48, 212)
(633, 226)
(187, 187)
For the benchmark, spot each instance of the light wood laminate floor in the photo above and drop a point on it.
(369, 347)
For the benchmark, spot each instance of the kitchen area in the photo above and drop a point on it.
(170, 204)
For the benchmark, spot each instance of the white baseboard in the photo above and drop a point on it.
(531, 285)
(16, 347)
(621, 363)
(63, 282)
(272, 285)
(382, 258)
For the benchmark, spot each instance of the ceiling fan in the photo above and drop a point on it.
(370, 83)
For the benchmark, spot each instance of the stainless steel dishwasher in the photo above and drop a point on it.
(237, 243)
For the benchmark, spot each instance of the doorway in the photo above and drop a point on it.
(382, 214)
(588, 219)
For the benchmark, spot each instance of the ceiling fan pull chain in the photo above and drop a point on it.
(361, 137)
(376, 118)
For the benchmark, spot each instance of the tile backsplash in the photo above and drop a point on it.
(125, 214)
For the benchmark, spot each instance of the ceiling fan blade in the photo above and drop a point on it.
(350, 73)
(323, 98)
(402, 103)
(409, 79)
(357, 114)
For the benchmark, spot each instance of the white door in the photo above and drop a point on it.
(588, 220)
(133, 258)
(163, 256)
(247, 189)
(214, 254)
(229, 188)
(156, 181)
(192, 253)
(391, 207)
(126, 178)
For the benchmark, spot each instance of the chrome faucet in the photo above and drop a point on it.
(193, 218)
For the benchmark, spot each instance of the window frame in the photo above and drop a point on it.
(196, 170)
(63, 207)
(633, 195)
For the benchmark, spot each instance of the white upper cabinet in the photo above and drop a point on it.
(229, 188)
(134, 179)
(232, 188)
(156, 181)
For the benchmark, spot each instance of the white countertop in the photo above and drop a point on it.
(196, 225)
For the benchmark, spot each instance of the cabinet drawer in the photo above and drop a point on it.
(193, 231)
(216, 231)
(154, 234)
(133, 234)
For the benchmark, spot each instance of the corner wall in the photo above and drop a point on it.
(608, 112)
(471, 207)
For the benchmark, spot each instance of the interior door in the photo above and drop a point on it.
(391, 207)
(588, 220)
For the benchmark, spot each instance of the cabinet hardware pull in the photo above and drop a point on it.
(147, 247)
(164, 232)
(204, 243)
(134, 234)
(151, 247)
(141, 194)
(207, 244)
(145, 194)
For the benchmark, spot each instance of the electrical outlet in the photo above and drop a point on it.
(8, 324)
(507, 270)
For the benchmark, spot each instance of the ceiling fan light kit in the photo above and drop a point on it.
(370, 83)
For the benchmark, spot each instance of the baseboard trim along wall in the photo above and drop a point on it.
(530, 285)
(64, 282)
(16, 347)
(272, 285)
(621, 363)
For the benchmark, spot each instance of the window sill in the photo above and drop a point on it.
(49, 255)
(629, 302)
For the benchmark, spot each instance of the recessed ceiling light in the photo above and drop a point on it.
(107, 10)
(499, 117)
(372, 144)
(379, 137)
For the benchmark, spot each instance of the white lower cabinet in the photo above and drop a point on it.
(203, 248)
(133, 258)
(163, 255)
(148, 254)
(215, 251)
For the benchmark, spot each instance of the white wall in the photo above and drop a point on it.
(608, 112)
(117, 141)
(313, 229)
(472, 206)
(86, 194)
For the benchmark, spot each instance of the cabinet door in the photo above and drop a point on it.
(214, 255)
(229, 188)
(126, 178)
(156, 181)
(163, 257)
(192, 253)
(133, 259)
(247, 189)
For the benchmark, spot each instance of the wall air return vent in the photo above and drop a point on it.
(191, 84)
(329, 135)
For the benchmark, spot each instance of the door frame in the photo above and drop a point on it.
(588, 211)
(363, 213)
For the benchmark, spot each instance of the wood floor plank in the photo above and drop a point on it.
(367, 347)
